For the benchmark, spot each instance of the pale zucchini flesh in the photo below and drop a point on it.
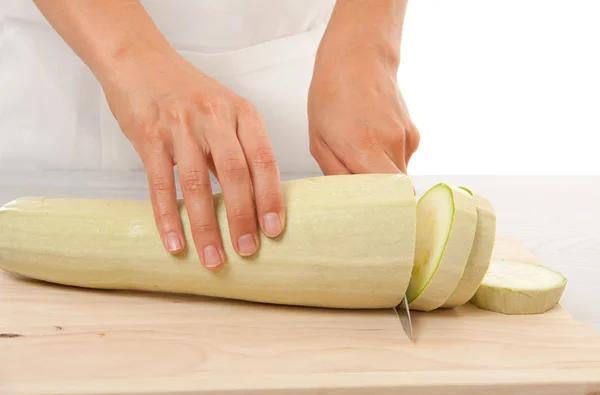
(446, 224)
(348, 243)
(480, 255)
(514, 287)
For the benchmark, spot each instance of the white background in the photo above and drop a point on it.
(503, 87)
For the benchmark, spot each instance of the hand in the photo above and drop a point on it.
(358, 121)
(173, 114)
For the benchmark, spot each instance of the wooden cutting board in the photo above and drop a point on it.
(64, 340)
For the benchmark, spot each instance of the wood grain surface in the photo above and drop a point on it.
(65, 340)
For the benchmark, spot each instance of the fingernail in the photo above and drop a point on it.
(212, 258)
(246, 244)
(173, 242)
(272, 224)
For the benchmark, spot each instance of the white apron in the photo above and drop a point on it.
(53, 114)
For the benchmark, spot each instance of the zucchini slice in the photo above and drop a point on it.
(446, 225)
(481, 253)
(513, 287)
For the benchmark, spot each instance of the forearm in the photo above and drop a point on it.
(366, 28)
(104, 34)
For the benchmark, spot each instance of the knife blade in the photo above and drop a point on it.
(403, 313)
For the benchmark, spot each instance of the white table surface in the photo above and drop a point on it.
(558, 217)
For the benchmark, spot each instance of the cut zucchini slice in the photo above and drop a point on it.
(446, 224)
(481, 253)
(513, 287)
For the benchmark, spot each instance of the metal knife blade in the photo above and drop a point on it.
(403, 313)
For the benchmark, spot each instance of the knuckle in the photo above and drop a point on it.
(267, 196)
(398, 137)
(177, 111)
(193, 181)
(246, 108)
(210, 106)
(264, 159)
(234, 169)
(147, 123)
(165, 217)
(154, 136)
(414, 138)
(250, 116)
(159, 184)
(242, 214)
(203, 227)
(395, 130)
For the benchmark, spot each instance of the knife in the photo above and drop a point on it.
(403, 313)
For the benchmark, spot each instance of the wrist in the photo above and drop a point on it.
(338, 64)
(125, 58)
(109, 35)
(363, 31)
(358, 53)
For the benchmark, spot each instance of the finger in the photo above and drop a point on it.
(163, 195)
(413, 139)
(197, 194)
(234, 176)
(326, 159)
(395, 148)
(368, 157)
(407, 155)
(398, 155)
(264, 172)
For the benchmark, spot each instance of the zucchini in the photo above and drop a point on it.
(480, 256)
(446, 224)
(516, 288)
(348, 243)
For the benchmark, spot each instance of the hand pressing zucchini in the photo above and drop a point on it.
(348, 243)
(513, 287)
(446, 225)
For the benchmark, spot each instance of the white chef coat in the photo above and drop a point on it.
(53, 114)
